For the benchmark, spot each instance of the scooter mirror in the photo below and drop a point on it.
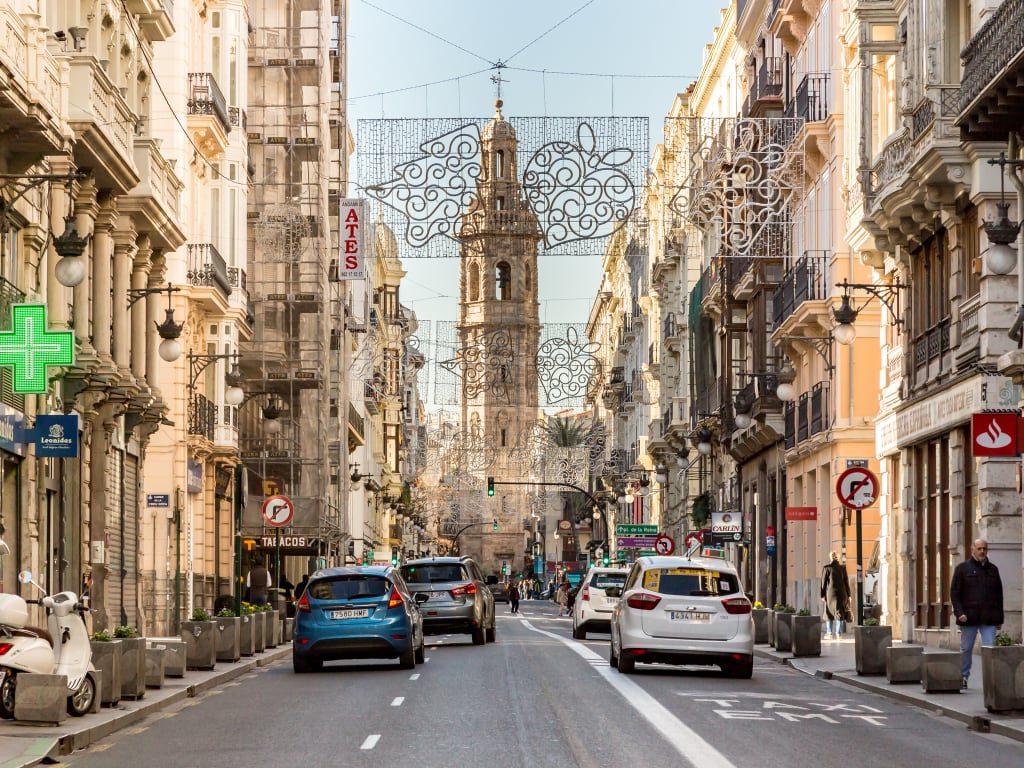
(25, 577)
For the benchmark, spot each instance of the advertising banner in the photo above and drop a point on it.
(56, 436)
(352, 258)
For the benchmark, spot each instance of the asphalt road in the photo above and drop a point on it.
(538, 698)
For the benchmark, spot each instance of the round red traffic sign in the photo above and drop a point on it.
(664, 545)
(694, 539)
(857, 488)
(278, 511)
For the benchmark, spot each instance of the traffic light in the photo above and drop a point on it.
(490, 488)
(494, 524)
(394, 555)
(504, 566)
(606, 560)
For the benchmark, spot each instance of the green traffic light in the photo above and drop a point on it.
(494, 526)
(490, 486)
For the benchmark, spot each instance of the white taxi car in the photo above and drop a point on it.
(678, 610)
(592, 609)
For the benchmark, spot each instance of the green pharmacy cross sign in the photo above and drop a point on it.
(29, 348)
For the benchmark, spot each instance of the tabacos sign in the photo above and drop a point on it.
(352, 259)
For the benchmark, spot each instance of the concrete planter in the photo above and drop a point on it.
(155, 662)
(247, 635)
(133, 667)
(106, 656)
(272, 628)
(288, 625)
(771, 627)
(229, 638)
(1002, 677)
(259, 631)
(806, 636)
(761, 617)
(41, 699)
(784, 631)
(200, 644)
(869, 644)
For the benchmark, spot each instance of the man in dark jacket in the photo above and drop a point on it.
(835, 591)
(977, 596)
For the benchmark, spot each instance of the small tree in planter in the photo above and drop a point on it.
(806, 634)
(247, 632)
(133, 662)
(106, 657)
(784, 628)
(1002, 674)
(229, 635)
(761, 617)
(870, 641)
(200, 636)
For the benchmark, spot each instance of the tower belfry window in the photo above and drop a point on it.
(499, 164)
(503, 281)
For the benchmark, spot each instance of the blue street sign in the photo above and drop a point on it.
(56, 436)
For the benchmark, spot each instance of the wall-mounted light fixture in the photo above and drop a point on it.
(1001, 256)
(168, 330)
(785, 391)
(845, 315)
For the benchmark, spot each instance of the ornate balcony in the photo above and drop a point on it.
(765, 97)
(992, 89)
(208, 120)
(801, 299)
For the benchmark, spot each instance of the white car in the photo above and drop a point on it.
(592, 609)
(678, 610)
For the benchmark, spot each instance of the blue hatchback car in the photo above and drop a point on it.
(357, 612)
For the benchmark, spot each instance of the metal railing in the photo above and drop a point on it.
(206, 98)
(202, 416)
(989, 53)
(206, 267)
(810, 100)
(806, 280)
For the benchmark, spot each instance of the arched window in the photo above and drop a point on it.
(499, 164)
(474, 282)
(503, 281)
(528, 279)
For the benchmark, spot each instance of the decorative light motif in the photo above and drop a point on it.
(566, 367)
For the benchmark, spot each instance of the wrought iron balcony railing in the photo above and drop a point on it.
(989, 53)
(202, 416)
(806, 280)
(206, 98)
(810, 100)
(206, 267)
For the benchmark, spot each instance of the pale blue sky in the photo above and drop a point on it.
(619, 49)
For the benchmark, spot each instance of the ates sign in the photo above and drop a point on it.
(352, 259)
(994, 434)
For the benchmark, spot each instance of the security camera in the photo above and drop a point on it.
(60, 35)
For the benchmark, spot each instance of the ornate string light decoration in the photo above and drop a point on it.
(280, 232)
(567, 366)
(580, 179)
(743, 176)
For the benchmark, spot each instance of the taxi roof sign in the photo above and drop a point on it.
(714, 552)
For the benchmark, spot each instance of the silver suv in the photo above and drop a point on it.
(459, 600)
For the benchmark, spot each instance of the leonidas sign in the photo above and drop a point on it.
(352, 264)
(994, 434)
(726, 523)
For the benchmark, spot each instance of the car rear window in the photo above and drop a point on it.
(349, 587)
(605, 580)
(690, 582)
(433, 573)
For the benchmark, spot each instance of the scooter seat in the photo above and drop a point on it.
(32, 632)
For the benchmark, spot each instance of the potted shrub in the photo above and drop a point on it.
(133, 662)
(761, 617)
(200, 636)
(1002, 674)
(784, 628)
(806, 634)
(106, 657)
(273, 623)
(870, 639)
(247, 630)
(259, 628)
(229, 635)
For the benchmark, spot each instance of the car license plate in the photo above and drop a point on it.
(440, 597)
(689, 616)
(350, 613)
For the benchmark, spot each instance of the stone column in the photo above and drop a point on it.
(124, 253)
(154, 315)
(86, 210)
(102, 278)
(141, 350)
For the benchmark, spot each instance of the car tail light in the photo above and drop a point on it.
(5, 647)
(303, 604)
(642, 601)
(468, 589)
(396, 598)
(586, 592)
(736, 605)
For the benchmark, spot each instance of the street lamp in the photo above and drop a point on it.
(786, 392)
(70, 270)
(170, 348)
(1001, 256)
(845, 315)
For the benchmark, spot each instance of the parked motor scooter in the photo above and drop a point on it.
(63, 648)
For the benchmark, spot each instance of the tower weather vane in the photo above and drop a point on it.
(498, 79)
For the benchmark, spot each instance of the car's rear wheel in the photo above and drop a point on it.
(579, 633)
(626, 664)
(421, 653)
(613, 660)
(302, 665)
(407, 659)
(478, 636)
(491, 631)
(743, 669)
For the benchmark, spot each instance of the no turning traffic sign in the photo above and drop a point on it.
(278, 511)
(664, 545)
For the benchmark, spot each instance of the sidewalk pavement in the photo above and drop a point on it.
(837, 662)
(25, 744)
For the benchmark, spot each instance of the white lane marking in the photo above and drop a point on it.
(397, 701)
(371, 741)
(426, 659)
(685, 740)
(415, 676)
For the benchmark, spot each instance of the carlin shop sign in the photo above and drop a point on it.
(726, 523)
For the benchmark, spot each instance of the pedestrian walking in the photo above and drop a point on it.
(562, 597)
(835, 591)
(977, 597)
(301, 586)
(513, 596)
(258, 581)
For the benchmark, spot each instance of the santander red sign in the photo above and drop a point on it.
(995, 434)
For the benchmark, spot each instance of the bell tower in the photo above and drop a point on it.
(499, 328)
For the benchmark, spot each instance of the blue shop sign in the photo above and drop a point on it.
(158, 500)
(12, 430)
(194, 477)
(56, 436)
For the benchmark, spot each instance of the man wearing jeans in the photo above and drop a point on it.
(977, 595)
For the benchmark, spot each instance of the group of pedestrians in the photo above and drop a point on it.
(976, 593)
